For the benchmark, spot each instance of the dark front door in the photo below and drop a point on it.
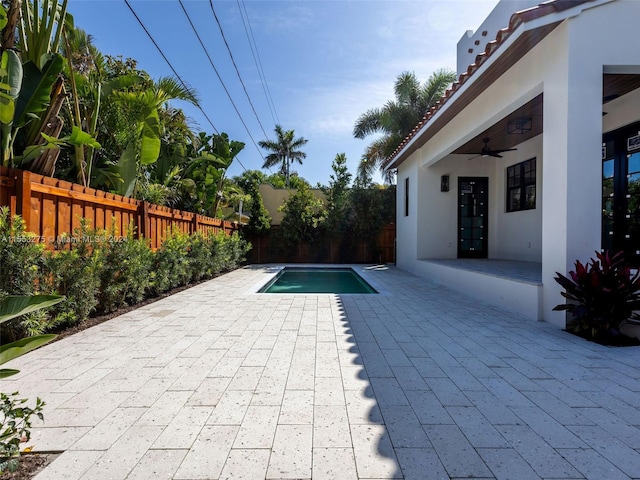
(473, 196)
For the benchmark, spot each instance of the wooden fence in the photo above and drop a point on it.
(267, 249)
(52, 208)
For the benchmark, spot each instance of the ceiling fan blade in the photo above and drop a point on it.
(496, 154)
(505, 150)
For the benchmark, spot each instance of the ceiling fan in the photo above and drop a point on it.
(487, 152)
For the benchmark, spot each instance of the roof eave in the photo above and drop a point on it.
(550, 13)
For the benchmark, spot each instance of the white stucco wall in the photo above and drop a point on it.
(517, 235)
(621, 112)
(406, 250)
(439, 213)
(496, 20)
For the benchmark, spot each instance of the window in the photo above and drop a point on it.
(521, 186)
(406, 197)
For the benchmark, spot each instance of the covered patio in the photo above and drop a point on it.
(510, 284)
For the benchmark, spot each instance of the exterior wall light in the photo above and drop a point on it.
(444, 183)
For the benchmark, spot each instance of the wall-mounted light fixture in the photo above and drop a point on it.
(444, 183)
(519, 125)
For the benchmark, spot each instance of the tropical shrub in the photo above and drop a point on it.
(21, 253)
(73, 272)
(602, 296)
(200, 257)
(100, 271)
(303, 215)
(171, 265)
(231, 251)
(125, 266)
(14, 428)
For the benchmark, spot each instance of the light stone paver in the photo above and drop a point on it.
(418, 382)
(158, 464)
(331, 426)
(246, 464)
(334, 464)
(291, 453)
(208, 454)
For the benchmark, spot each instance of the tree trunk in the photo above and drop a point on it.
(9, 31)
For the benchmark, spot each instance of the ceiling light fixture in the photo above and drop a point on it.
(519, 125)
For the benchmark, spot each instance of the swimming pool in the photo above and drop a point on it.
(317, 280)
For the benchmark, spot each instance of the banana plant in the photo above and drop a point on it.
(145, 148)
(77, 139)
(209, 168)
(89, 87)
(15, 306)
(27, 79)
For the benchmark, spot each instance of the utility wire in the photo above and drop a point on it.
(220, 78)
(170, 66)
(236, 67)
(257, 61)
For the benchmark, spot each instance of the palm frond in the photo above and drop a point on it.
(368, 123)
(170, 88)
(407, 88)
(435, 87)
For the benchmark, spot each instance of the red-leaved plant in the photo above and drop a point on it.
(602, 295)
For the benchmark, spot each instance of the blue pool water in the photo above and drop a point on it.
(317, 280)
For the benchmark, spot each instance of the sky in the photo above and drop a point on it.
(324, 62)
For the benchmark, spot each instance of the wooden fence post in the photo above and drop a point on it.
(143, 218)
(23, 198)
(194, 223)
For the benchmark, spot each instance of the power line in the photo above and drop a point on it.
(257, 61)
(169, 63)
(180, 78)
(236, 67)
(220, 78)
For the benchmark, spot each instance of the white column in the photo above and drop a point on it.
(572, 178)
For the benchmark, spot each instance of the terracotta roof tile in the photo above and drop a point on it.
(515, 21)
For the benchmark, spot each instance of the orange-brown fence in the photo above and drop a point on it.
(51, 208)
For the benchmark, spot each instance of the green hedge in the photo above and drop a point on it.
(100, 271)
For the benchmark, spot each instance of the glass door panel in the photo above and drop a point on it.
(632, 216)
(607, 203)
(473, 198)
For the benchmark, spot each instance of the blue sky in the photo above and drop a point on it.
(325, 62)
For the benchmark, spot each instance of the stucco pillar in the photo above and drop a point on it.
(572, 164)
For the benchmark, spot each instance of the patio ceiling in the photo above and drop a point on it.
(499, 134)
(614, 86)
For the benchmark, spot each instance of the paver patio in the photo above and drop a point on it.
(417, 382)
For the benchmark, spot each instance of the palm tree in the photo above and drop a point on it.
(398, 117)
(285, 150)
